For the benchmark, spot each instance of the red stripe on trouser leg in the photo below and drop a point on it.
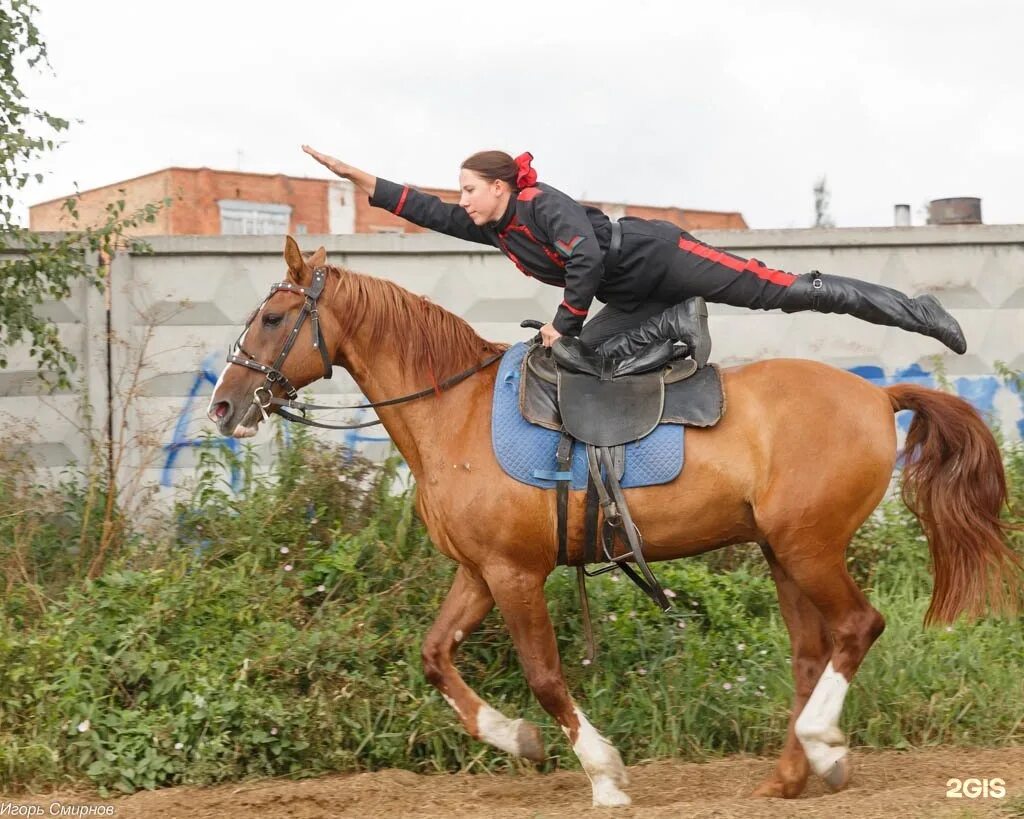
(739, 265)
(572, 309)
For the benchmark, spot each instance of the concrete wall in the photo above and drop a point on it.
(174, 312)
(56, 427)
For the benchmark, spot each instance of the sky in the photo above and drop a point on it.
(723, 105)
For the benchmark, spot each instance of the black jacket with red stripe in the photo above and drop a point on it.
(556, 240)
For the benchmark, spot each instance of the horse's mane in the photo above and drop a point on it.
(431, 340)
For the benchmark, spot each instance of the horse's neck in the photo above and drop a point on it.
(383, 375)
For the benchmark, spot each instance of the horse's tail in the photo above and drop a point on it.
(954, 482)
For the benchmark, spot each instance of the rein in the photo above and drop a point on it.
(263, 396)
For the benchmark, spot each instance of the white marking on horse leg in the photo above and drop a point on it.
(459, 635)
(817, 727)
(497, 729)
(602, 763)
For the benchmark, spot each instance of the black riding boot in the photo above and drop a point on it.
(874, 303)
(686, 322)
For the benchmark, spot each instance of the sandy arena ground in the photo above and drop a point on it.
(884, 784)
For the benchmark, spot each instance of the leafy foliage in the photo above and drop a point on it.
(38, 268)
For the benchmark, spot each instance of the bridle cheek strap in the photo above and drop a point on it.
(273, 372)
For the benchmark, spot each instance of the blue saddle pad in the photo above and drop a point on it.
(527, 452)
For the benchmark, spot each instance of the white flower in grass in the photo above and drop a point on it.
(83, 726)
(727, 686)
(741, 646)
(614, 578)
(741, 678)
(641, 671)
(287, 567)
(759, 693)
(613, 617)
(694, 603)
(763, 651)
(284, 550)
(178, 746)
(273, 732)
(680, 624)
(585, 661)
(669, 593)
(321, 588)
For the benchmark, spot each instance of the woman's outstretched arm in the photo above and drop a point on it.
(417, 207)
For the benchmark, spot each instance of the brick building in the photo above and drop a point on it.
(211, 202)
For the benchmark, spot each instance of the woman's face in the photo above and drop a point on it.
(484, 200)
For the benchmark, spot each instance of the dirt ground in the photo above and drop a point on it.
(884, 784)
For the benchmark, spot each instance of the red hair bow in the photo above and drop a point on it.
(526, 177)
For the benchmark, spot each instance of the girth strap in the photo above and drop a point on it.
(563, 457)
(617, 517)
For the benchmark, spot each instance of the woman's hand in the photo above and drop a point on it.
(549, 335)
(364, 180)
(333, 165)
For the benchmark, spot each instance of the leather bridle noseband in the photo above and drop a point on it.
(263, 396)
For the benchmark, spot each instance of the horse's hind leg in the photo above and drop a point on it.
(467, 604)
(819, 571)
(519, 594)
(811, 646)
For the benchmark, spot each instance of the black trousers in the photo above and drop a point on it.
(697, 269)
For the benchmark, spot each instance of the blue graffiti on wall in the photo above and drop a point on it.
(183, 440)
(981, 391)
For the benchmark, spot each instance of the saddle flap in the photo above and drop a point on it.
(609, 413)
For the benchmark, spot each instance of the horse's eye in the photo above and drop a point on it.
(272, 319)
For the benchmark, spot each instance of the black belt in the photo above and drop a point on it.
(611, 258)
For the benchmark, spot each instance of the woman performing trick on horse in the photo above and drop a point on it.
(799, 490)
(639, 268)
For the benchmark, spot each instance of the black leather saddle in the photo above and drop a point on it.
(605, 402)
(608, 401)
(621, 409)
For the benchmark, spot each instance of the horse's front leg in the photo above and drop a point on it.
(520, 597)
(467, 604)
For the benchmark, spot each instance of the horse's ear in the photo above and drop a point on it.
(318, 259)
(293, 256)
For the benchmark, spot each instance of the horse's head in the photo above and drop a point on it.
(281, 349)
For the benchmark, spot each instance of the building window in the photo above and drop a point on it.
(238, 217)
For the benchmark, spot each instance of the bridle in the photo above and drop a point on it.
(263, 396)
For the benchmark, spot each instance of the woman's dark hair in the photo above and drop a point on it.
(493, 165)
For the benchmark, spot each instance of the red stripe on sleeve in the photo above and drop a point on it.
(572, 309)
(401, 201)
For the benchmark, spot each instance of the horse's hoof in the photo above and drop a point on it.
(838, 776)
(531, 743)
(608, 795)
(773, 788)
(769, 789)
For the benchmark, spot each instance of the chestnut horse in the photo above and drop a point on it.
(803, 455)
